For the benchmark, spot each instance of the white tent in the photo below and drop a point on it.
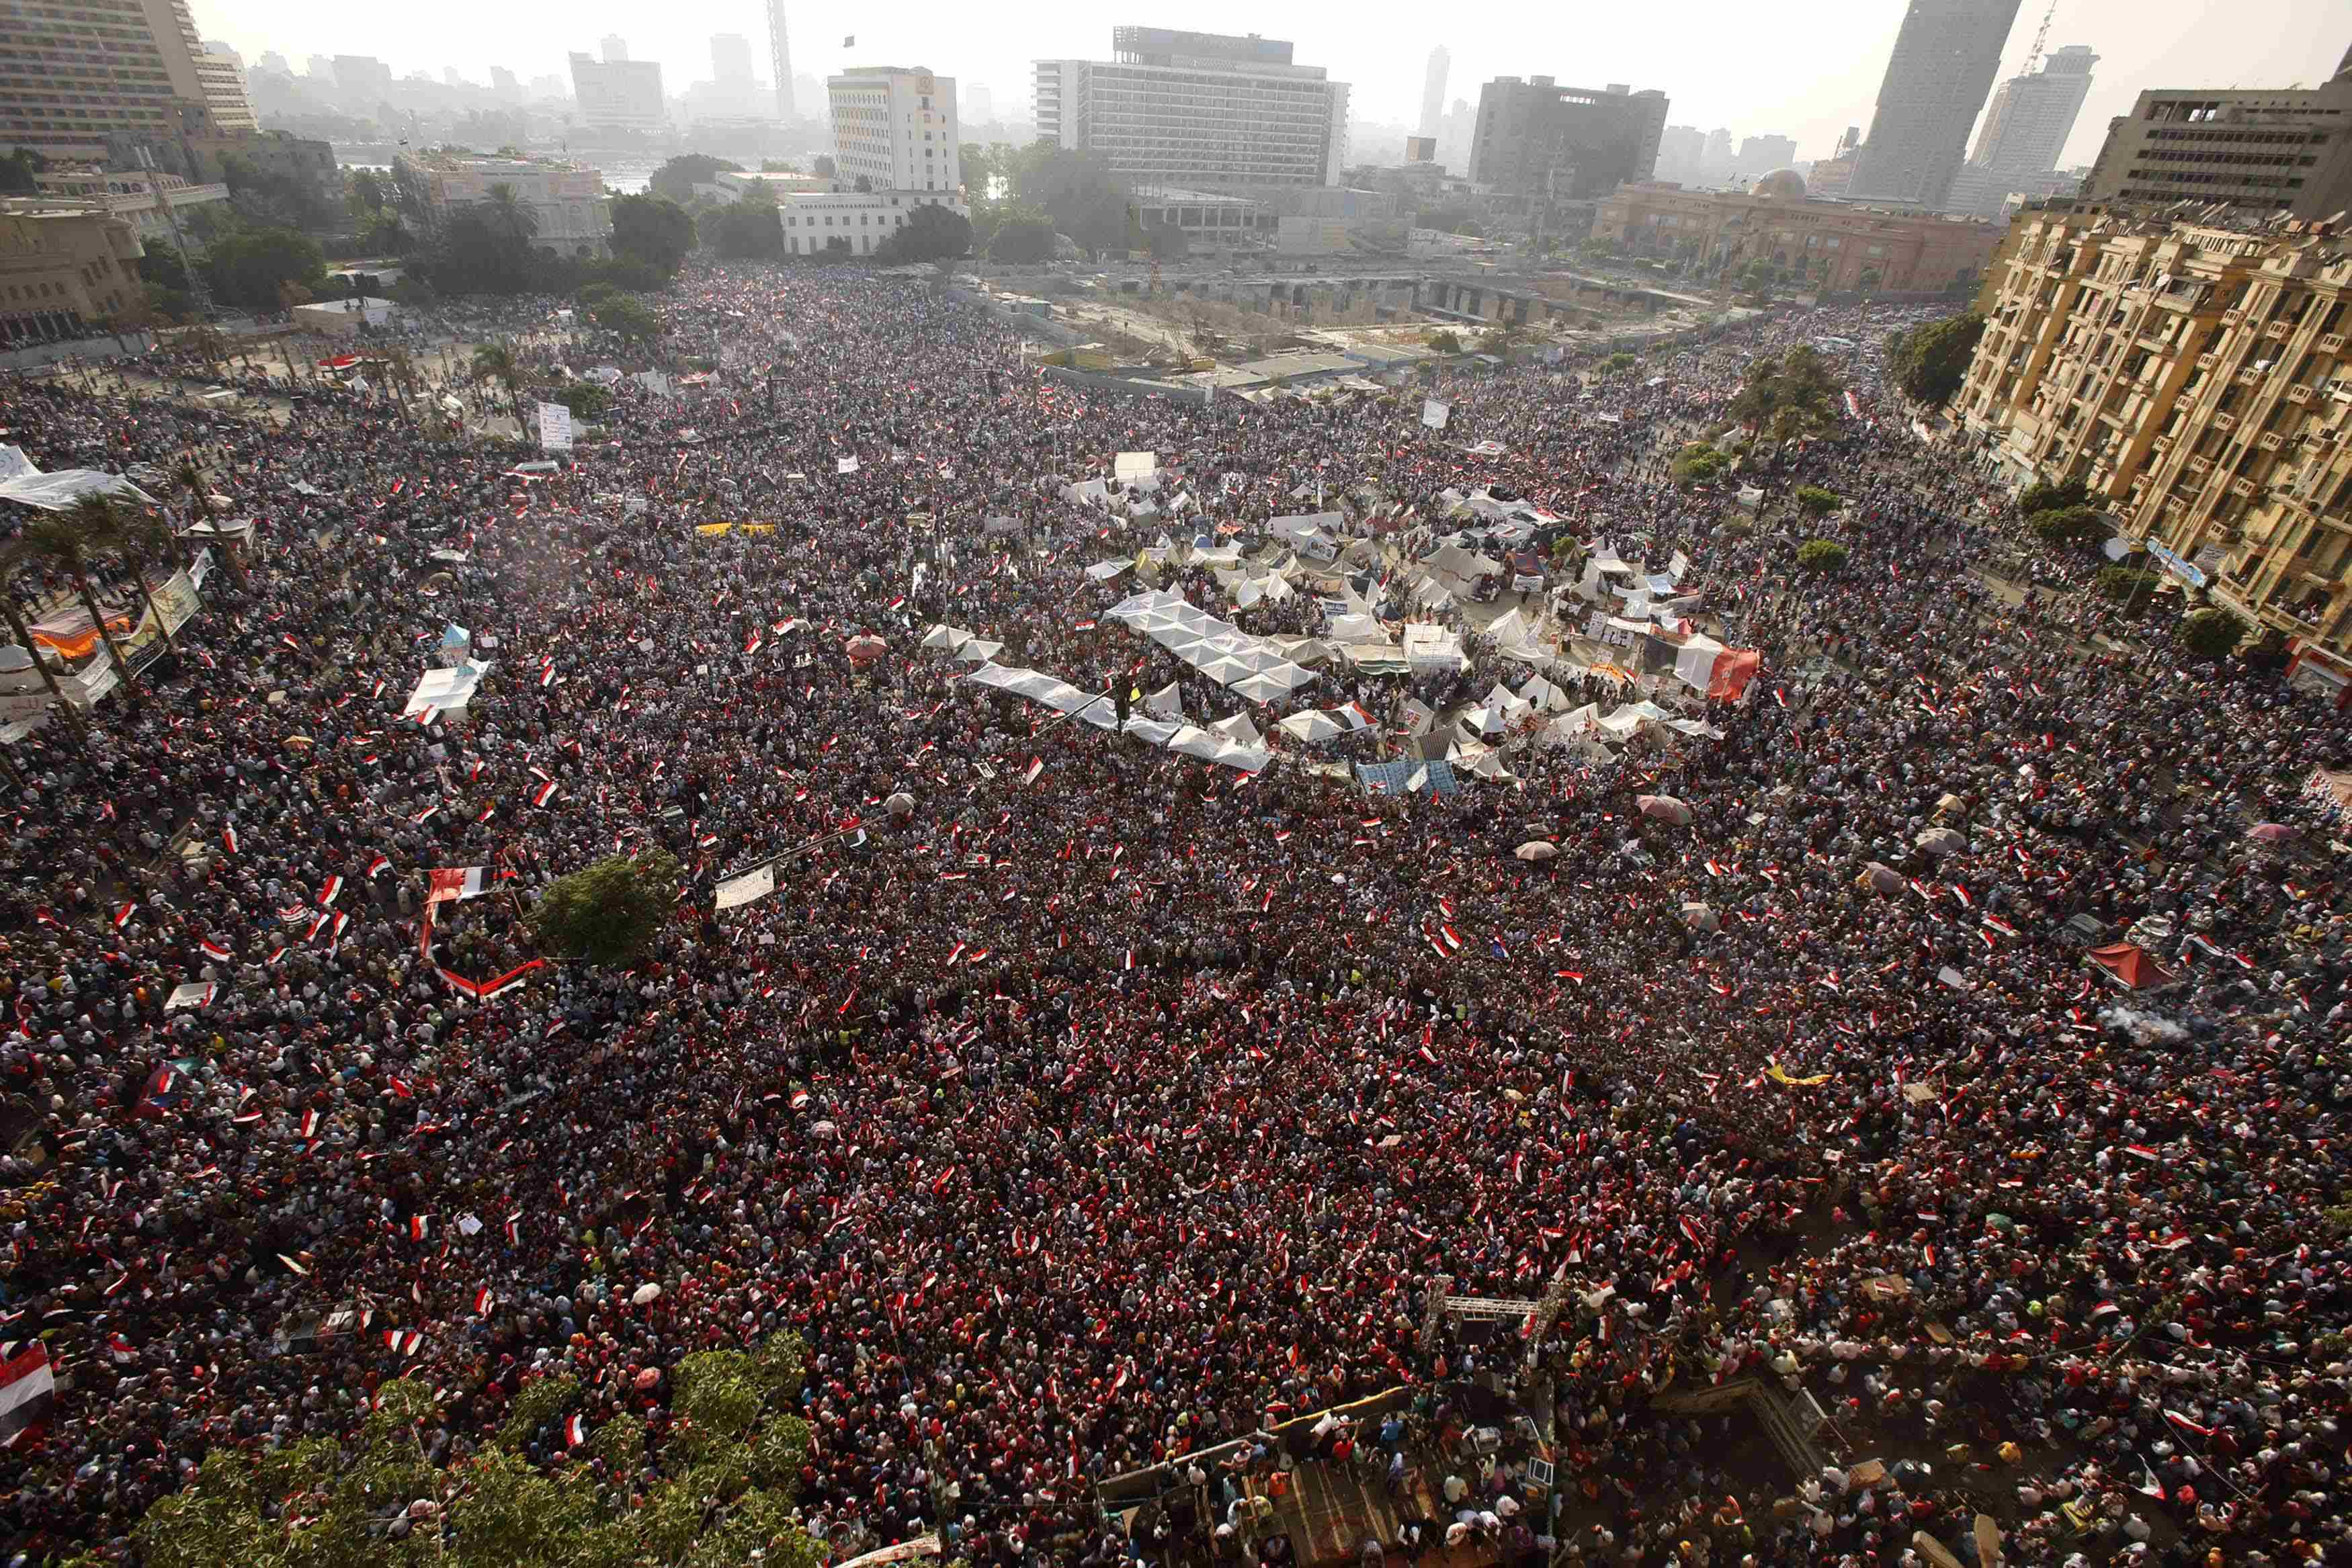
(446, 690)
(1240, 728)
(56, 491)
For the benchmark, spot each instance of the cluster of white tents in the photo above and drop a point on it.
(1257, 668)
(1213, 745)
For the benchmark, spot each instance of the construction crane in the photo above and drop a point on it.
(2041, 37)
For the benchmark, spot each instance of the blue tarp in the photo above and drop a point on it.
(1390, 777)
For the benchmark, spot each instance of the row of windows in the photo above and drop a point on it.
(2247, 182)
(2257, 138)
(2236, 160)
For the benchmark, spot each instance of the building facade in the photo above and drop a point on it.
(138, 197)
(618, 95)
(2024, 131)
(1432, 89)
(851, 221)
(2264, 151)
(65, 268)
(1199, 110)
(896, 128)
(221, 76)
(2196, 378)
(1831, 245)
(72, 74)
(568, 200)
(1945, 58)
(1536, 138)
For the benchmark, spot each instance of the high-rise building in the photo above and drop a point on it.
(73, 73)
(1715, 163)
(978, 106)
(779, 58)
(895, 127)
(1538, 138)
(1833, 175)
(2197, 378)
(731, 59)
(616, 50)
(503, 83)
(2024, 132)
(618, 95)
(362, 80)
(1453, 139)
(2263, 149)
(271, 60)
(1202, 110)
(1943, 65)
(1432, 88)
(1680, 149)
(1762, 155)
(222, 75)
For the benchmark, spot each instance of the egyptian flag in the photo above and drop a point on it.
(419, 1227)
(455, 885)
(309, 1124)
(228, 838)
(121, 1350)
(575, 1432)
(332, 892)
(540, 796)
(29, 1393)
(483, 1299)
(2186, 1425)
(379, 865)
(213, 949)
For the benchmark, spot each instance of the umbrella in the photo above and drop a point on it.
(1664, 808)
(651, 1374)
(1942, 842)
(866, 647)
(1952, 805)
(1536, 850)
(1883, 877)
(901, 804)
(1699, 917)
(2272, 832)
(645, 1293)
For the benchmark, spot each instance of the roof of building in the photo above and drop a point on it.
(1786, 183)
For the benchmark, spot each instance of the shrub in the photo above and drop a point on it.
(2129, 587)
(1821, 557)
(1817, 502)
(2212, 633)
(2048, 497)
(2077, 526)
(1697, 463)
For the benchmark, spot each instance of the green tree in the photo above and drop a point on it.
(630, 318)
(1022, 240)
(1934, 359)
(824, 167)
(1821, 557)
(1817, 502)
(478, 253)
(933, 233)
(586, 400)
(2212, 633)
(718, 1491)
(254, 267)
(653, 230)
(509, 216)
(752, 231)
(2122, 582)
(2045, 497)
(1697, 464)
(1077, 190)
(70, 542)
(609, 913)
(1445, 341)
(1798, 381)
(678, 178)
(14, 557)
(17, 169)
(496, 362)
(2077, 526)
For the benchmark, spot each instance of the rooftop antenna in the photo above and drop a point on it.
(2041, 37)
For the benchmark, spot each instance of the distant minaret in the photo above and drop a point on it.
(779, 58)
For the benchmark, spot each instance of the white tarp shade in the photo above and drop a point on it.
(56, 491)
(946, 636)
(752, 885)
(1129, 466)
(446, 689)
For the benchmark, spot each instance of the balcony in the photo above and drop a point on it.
(2231, 317)
(2331, 343)
(2225, 422)
(2207, 361)
(2270, 440)
(2281, 331)
(2244, 487)
(2251, 376)
(2199, 465)
(2298, 394)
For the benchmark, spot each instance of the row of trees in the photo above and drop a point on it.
(491, 248)
(1929, 363)
(1792, 395)
(95, 535)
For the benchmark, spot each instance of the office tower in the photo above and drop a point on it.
(1680, 150)
(222, 75)
(130, 67)
(2024, 131)
(1205, 110)
(1760, 155)
(1432, 88)
(618, 95)
(1943, 65)
(1715, 163)
(503, 83)
(616, 50)
(1538, 138)
(896, 127)
(731, 59)
(2261, 148)
(978, 105)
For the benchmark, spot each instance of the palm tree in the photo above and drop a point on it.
(496, 361)
(144, 541)
(13, 558)
(511, 213)
(66, 540)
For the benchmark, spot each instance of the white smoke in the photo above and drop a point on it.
(2144, 1028)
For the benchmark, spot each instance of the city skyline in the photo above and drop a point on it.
(1761, 77)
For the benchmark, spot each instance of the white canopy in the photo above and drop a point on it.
(56, 491)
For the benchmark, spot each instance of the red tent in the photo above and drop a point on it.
(2131, 964)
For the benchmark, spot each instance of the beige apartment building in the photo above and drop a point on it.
(2196, 378)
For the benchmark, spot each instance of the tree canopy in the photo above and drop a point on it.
(653, 230)
(1817, 502)
(2077, 526)
(608, 913)
(2212, 633)
(748, 231)
(1077, 190)
(717, 1490)
(931, 234)
(1931, 361)
(678, 178)
(1821, 556)
(256, 267)
(1022, 238)
(1792, 394)
(2046, 497)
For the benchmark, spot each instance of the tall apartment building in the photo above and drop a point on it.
(1200, 110)
(1762, 155)
(75, 72)
(618, 95)
(1680, 149)
(1945, 58)
(2266, 150)
(1432, 89)
(1536, 137)
(222, 76)
(896, 128)
(2196, 377)
(2024, 131)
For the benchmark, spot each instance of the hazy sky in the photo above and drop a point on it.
(1806, 71)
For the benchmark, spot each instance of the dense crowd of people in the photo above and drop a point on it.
(1110, 1103)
